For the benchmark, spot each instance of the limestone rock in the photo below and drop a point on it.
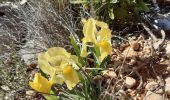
(130, 82)
(151, 86)
(167, 85)
(153, 96)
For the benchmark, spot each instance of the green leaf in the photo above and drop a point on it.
(93, 52)
(144, 7)
(76, 49)
(50, 96)
(120, 12)
(78, 1)
(111, 14)
(75, 62)
(105, 62)
(97, 50)
(75, 45)
(113, 1)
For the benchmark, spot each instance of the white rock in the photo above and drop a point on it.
(112, 74)
(23, 2)
(30, 50)
(4, 87)
(153, 96)
(168, 49)
(151, 86)
(130, 82)
(167, 85)
(30, 92)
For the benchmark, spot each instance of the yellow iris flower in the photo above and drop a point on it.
(41, 84)
(58, 63)
(101, 38)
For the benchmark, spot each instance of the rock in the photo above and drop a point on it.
(4, 87)
(130, 82)
(153, 96)
(151, 86)
(30, 93)
(112, 74)
(136, 46)
(109, 73)
(167, 86)
(27, 20)
(122, 94)
(168, 49)
(168, 68)
(97, 78)
(29, 52)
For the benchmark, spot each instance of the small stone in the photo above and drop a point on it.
(132, 62)
(168, 68)
(129, 90)
(30, 93)
(122, 92)
(151, 86)
(97, 78)
(112, 74)
(118, 87)
(153, 96)
(133, 93)
(130, 82)
(109, 73)
(4, 87)
(160, 91)
(136, 46)
(168, 50)
(23, 2)
(167, 86)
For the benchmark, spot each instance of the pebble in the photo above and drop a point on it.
(167, 85)
(6, 88)
(151, 86)
(30, 93)
(153, 96)
(130, 82)
(136, 46)
(109, 73)
(112, 74)
(168, 49)
(29, 52)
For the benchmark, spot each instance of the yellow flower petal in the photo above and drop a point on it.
(59, 79)
(84, 52)
(89, 30)
(74, 61)
(44, 65)
(101, 24)
(105, 49)
(58, 51)
(83, 21)
(70, 76)
(83, 40)
(103, 55)
(41, 84)
(104, 34)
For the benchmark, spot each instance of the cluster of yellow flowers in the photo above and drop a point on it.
(100, 38)
(61, 66)
(58, 64)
